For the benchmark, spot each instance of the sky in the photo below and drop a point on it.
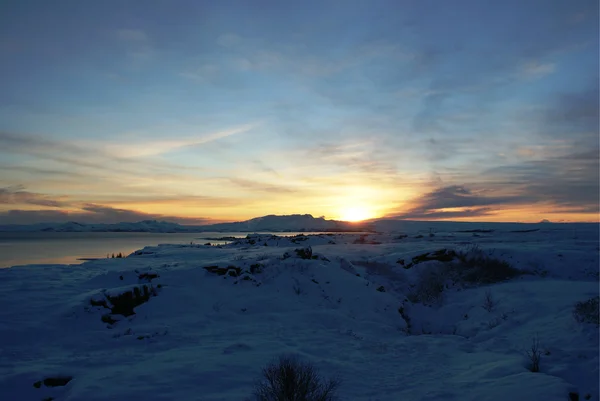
(200, 111)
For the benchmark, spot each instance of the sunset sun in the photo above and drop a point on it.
(356, 213)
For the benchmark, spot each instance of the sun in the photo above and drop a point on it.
(355, 213)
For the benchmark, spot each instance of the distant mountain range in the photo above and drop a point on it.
(289, 223)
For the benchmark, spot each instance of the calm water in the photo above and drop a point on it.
(68, 248)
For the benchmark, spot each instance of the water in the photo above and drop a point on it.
(23, 248)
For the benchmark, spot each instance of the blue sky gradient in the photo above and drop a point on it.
(206, 110)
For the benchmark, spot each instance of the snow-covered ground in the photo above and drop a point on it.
(371, 310)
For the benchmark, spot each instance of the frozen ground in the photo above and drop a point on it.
(369, 310)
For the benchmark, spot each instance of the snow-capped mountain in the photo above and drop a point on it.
(295, 222)
(72, 226)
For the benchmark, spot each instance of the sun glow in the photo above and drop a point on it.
(356, 213)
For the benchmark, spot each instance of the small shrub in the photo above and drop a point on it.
(587, 311)
(147, 276)
(429, 288)
(406, 318)
(291, 380)
(478, 268)
(231, 270)
(534, 354)
(493, 323)
(297, 289)
(108, 319)
(304, 253)
(57, 381)
(256, 268)
(441, 255)
(488, 301)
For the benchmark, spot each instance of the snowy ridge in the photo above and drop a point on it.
(294, 222)
(267, 223)
(199, 322)
(72, 226)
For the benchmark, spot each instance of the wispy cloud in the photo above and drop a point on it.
(16, 195)
(229, 40)
(137, 43)
(91, 214)
(149, 147)
(568, 184)
(131, 35)
(256, 186)
(457, 201)
(38, 171)
(537, 69)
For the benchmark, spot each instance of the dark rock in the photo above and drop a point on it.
(304, 253)
(147, 276)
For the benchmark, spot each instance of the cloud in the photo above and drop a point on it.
(568, 183)
(229, 40)
(571, 113)
(256, 186)
(536, 69)
(265, 168)
(91, 213)
(538, 41)
(41, 171)
(157, 147)
(138, 46)
(206, 73)
(472, 203)
(15, 195)
(106, 158)
(369, 157)
(454, 214)
(131, 35)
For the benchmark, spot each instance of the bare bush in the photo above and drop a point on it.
(477, 267)
(534, 354)
(489, 304)
(587, 311)
(288, 379)
(296, 287)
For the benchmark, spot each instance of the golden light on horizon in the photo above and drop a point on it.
(356, 213)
